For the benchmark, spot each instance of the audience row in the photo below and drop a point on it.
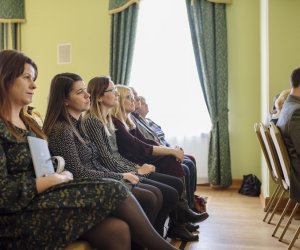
(118, 187)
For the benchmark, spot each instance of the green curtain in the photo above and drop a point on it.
(10, 36)
(11, 17)
(209, 37)
(123, 33)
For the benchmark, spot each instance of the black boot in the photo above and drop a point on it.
(188, 215)
(180, 232)
(191, 227)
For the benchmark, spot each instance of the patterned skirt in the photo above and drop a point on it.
(62, 214)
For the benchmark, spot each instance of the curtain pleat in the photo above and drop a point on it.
(11, 17)
(10, 36)
(209, 37)
(123, 33)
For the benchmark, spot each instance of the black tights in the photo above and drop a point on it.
(150, 198)
(142, 232)
(168, 185)
(111, 234)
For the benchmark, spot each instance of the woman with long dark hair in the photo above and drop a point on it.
(52, 211)
(68, 99)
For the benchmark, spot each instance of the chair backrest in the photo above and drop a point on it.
(281, 150)
(265, 149)
(270, 154)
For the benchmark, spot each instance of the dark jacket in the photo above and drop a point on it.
(289, 125)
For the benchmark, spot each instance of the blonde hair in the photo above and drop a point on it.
(119, 110)
(280, 101)
(281, 98)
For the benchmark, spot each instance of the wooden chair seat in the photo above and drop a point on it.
(79, 245)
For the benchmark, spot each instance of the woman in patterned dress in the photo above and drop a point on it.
(67, 138)
(52, 211)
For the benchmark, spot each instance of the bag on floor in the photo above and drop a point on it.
(250, 185)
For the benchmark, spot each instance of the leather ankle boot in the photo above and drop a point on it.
(180, 232)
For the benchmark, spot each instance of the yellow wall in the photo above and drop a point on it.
(84, 24)
(284, 25)
(243, 24)
(243, 19)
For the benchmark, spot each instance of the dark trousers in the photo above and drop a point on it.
(190, 179)
(171, 188)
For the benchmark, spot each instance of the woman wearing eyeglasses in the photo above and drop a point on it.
(52, 211)
(100, 128)
(68, 99)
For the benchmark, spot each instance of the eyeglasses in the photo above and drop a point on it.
(113, 90)
(129, 97)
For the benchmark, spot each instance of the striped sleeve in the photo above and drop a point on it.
(63, 142)
(97, 134)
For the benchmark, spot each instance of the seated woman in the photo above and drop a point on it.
(37, 211)
(99, 126)
(167, 160)
(152, 131)
(67, 100)
(135, 147)
(278, 103)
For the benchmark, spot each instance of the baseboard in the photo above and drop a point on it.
(202, 180)
(281, 205)
(263, 200)
(236, 184)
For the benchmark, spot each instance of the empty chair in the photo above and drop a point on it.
(273, 164)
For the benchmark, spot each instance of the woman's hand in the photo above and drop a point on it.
(132, 178)
(178, 153)
(67, 174)
(146, 169)
(43, 183)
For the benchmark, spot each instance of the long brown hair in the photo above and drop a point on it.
(60, 89)
(96, 88)
(12, 65)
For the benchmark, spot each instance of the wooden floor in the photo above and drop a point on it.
(235, 223)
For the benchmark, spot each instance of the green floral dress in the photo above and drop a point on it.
(54, 218)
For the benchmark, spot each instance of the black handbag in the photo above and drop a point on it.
(250, 185)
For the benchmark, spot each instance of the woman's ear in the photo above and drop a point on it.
(66, 103)
(99, 98)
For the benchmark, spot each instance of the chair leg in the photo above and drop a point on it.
(271, 202)
(294, 239)
(276, 206)
(289, 221)
(273, 196)
(281, 217)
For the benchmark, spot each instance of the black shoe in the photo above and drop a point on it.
(191, 227)
(191, 216)
(179, 232)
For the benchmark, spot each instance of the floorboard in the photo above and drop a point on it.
(235, 223)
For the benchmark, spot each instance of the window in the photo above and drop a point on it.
(164, 69)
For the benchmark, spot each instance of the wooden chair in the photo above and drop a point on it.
(273, 164)
(285, 165)
(79, 245)
(284, 175)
